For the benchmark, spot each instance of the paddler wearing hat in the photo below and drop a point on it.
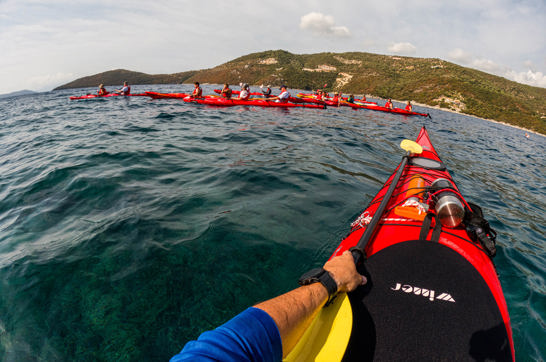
(283, 97)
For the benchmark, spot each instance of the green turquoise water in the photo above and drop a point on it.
(128, 226)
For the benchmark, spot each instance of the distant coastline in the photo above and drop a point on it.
(458, 112)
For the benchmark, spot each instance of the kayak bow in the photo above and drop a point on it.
(432, 292)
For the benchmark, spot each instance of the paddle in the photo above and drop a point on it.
(410, 147)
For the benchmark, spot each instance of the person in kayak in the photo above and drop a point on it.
(125, 90)
(389, 104)
(269, 330)
(318, 95)
(102, 91)
(226, 91)
(283, 97)
(267, 91)
(337, 98)
(351, 98)
(197, 91)
(409, 107)
(245, 93)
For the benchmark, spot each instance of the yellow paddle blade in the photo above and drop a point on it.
(411, 146)
(327, 337)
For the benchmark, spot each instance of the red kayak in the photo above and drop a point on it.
(388, 110)
(433, 293)
(299, 99)
(357, 101)
(157, 95)
(90, 96)
(236, 92)
(223, 102)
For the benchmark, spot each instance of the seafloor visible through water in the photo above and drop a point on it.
(130, 225)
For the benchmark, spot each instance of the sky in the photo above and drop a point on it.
(47, 43)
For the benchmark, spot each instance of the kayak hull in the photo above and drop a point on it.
(157, 95)
(388, 110)
(237, 92)
(91, 96)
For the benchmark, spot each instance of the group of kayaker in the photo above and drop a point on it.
(244, 94)
(125, 90)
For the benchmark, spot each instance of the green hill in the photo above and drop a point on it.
(433, 82)
(118, 76)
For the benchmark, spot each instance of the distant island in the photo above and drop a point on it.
(18, 93)
(428, 81)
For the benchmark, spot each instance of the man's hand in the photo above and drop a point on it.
(342, 268)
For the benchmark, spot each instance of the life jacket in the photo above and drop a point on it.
(102, 92)
(286, 98)
(197, 92)
(226, 93)
(128, 90)
(408, 108)
(246, 96)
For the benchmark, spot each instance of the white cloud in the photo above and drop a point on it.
(320, 24)
(529, 77)
(402, 48)
(465, 58)
(487, 65)
(460, 56)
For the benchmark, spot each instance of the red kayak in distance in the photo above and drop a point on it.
(433, 292)
(236, 92)
(311, 98)
(306, 100)
(157, 95)
(91, 96)
(223, 102)
(388, 110)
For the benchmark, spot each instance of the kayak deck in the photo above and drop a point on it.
(425, 301)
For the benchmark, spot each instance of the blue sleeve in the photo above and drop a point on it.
(250, 336)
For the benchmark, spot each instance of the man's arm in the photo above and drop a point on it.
(294, 311)
(255, 335)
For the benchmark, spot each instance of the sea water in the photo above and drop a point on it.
(129, 225)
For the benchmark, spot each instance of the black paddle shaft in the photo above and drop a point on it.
(358, 250)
